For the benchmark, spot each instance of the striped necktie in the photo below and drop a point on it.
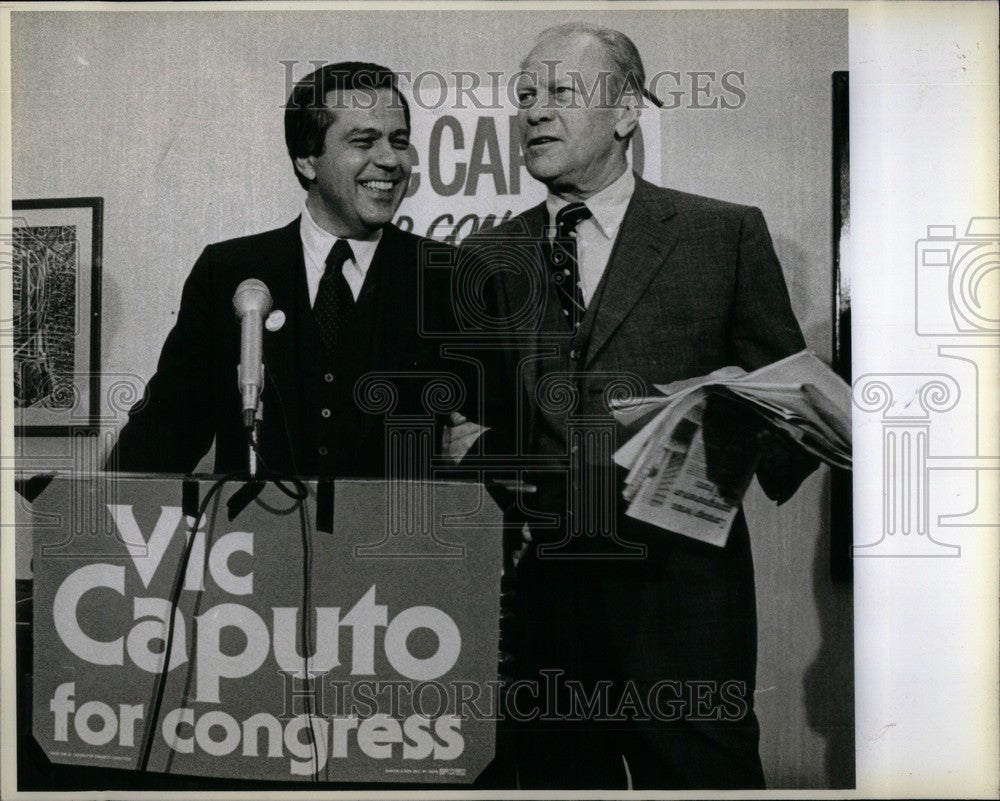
(563, 262)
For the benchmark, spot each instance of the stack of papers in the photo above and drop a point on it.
(674, 484)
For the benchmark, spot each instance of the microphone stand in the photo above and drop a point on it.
(252, 447)
(252, 425)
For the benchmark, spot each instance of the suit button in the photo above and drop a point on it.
(322, 450)
(574, 354)
(328, 378)
(325, 413)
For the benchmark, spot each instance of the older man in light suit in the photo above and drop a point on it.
(640, 644)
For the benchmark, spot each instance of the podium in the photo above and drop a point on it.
(350, 635)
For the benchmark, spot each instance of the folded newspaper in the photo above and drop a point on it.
(682, 482)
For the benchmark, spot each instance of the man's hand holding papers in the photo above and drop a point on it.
(691, 463)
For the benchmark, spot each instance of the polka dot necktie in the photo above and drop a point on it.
(564, 264)
(334, 306)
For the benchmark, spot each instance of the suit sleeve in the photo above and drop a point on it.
(495, 402)
(764, 331)
(764, 326)
(171, 428)
(438, 324)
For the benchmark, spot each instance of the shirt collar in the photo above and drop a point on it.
(608, 206)
(317, 242)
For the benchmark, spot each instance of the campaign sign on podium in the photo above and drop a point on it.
(389, 679)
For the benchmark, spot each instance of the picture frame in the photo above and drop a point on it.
(56, 325)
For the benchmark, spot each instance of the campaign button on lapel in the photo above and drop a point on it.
(275, 320)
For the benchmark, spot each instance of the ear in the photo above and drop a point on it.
(307, 167)
(628, 116)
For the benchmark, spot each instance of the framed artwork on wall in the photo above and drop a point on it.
(56, 322)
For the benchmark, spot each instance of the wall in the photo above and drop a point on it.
(175, 120)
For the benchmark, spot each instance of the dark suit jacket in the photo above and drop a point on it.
(693, 284)
(193, 397)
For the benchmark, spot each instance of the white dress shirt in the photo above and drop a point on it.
(316, 245)
(595, 237)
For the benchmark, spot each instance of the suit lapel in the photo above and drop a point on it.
(284, 273)
(645, 239)
(521, 291)
(389, 278)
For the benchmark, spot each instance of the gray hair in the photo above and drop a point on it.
(629, 74)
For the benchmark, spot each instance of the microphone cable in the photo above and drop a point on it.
(300, 494)
(161, 682)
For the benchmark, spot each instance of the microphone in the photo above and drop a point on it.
(252, 302)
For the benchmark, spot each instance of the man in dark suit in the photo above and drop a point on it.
(344, 283)
(640, 643)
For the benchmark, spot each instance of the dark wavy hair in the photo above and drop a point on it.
(307, 116)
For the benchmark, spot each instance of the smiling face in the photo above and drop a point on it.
(573, 135)
(358, 181)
